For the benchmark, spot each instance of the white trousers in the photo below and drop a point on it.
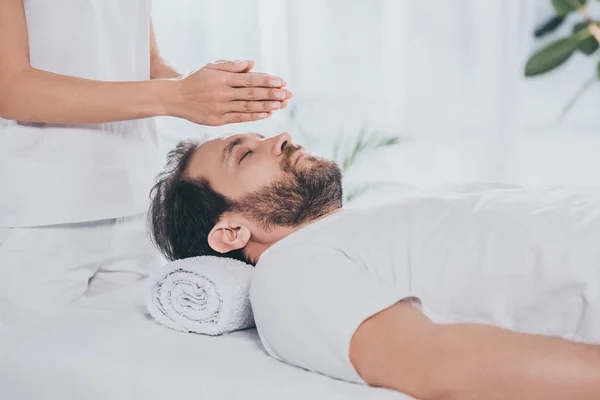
(45, 267)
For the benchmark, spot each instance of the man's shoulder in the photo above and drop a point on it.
(301, 252)
(303, 259)
(284, 268)
(286, 271)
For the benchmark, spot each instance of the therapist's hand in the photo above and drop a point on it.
(226, 92)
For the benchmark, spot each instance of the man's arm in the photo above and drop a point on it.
(214, 95)
(401, 349)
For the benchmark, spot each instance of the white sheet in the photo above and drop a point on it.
(524, 259)
(108, 348)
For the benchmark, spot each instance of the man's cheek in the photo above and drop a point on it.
(253, 179)
(265, 174)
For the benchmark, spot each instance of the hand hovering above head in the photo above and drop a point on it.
(227, 92)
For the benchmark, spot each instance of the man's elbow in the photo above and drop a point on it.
(429, 377)
(434, 378)
(5, 111)
(401, 349)
(439, 377)
(450, 368)
(9, 87)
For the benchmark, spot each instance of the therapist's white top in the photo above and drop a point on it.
(519, 259)
(53, 174)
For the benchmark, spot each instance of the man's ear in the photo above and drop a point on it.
(227, 236)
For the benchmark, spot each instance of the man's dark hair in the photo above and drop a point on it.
(183, 210)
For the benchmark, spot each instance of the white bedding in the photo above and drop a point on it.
(107, 348)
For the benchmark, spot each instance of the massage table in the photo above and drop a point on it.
(108, 348)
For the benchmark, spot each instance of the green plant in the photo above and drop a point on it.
(364, 143)
(347, 150)
(585, 38)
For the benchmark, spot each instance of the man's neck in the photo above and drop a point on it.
(254, 249)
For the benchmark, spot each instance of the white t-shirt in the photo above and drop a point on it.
(519, 259)
(52, 174)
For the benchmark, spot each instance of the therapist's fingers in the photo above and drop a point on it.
(255, 106)
(236, 117)
(259, 94)
(283, 82)
(256, 77)
(253, 79)
(210, 98)
(240, 66)
(250, 66)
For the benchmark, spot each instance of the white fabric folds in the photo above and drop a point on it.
(206, 295)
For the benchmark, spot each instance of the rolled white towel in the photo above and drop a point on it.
(206, 295)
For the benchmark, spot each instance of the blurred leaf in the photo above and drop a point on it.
(387, 141)
(563, 7)
(580, 92)
(364, 145)
(549, 26)
(579, 26)
(336, 148)
(361, 190)
(293, 112)
(354, 193)
(551, 56)
(350, 159)
(589, 45)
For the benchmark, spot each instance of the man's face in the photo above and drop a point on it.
(271, 181)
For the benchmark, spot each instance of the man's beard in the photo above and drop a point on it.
(302, 195)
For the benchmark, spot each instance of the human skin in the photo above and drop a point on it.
(217, 94)
(400, 348)
(254, 163)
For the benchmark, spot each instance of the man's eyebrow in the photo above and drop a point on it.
(230, 148)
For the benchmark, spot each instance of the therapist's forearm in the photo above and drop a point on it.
(159, 69)
(33, 95)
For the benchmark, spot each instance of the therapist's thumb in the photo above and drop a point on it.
(231, 66)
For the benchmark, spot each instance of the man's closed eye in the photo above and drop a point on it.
(247, 153)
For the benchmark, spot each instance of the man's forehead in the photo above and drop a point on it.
(224, 138)
(231, 136)
(210, 150)
(218, 136)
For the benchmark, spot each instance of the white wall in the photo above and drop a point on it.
(447, 73)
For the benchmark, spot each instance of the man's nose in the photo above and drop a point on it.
(280, 142)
